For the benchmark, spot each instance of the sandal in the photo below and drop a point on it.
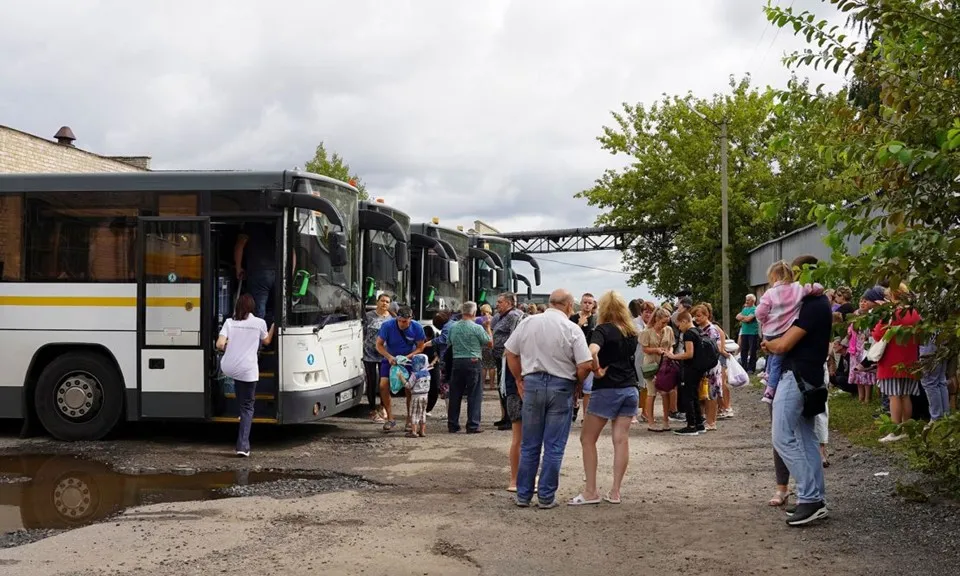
(411, 434)
(579, 500)
(610, 500)
(779, 499)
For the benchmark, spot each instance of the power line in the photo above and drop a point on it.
(584, 266)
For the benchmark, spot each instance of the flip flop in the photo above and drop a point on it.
(610, 500)
(512, 489)
(579, 500)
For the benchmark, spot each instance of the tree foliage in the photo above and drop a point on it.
(899, 146)
(332, 165)
(670, 189)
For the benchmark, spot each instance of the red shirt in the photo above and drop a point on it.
(904, 353)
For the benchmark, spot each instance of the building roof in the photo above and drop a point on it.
(136, 161)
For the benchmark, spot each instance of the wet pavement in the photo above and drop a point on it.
(41, 495)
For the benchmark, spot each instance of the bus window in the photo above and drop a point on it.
(233, 201)
(177, 204)
(80, 238)
(11, 237)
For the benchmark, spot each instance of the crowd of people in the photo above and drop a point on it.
(608, 360)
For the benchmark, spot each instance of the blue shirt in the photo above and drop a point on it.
(401, 342)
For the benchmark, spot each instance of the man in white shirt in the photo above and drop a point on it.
(549, 358)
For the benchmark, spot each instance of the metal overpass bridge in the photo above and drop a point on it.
(571, 239)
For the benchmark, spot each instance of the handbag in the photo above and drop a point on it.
(650, 370)
(703, 391)
(875, 353)
(668, 376)
(814, 395)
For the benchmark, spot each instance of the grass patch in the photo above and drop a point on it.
(855, 420)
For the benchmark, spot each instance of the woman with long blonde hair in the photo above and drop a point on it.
(615, 396)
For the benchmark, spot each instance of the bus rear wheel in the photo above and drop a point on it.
(79, 396)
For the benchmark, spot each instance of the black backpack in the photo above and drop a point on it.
(706, 355)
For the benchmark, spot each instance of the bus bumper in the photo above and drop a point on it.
(310, 405)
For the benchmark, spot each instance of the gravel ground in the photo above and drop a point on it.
(391, 505)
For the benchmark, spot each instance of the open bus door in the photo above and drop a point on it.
(173, 323)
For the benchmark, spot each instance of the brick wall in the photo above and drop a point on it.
(24, 153)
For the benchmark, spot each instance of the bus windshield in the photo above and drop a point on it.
(381, 264)
(319, 292)
(449, 295)
(502, 249)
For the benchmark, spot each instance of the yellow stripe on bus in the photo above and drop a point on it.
(100, 301)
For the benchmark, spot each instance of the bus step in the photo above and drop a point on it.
(256, 396)
(233, 420)
(262, 408)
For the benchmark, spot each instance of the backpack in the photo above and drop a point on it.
(706, 355)
(668, 376)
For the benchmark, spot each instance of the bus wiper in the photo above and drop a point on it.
(329, 282)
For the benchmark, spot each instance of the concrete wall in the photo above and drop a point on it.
(25, 153)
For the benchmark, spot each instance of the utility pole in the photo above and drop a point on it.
(724, 232)
(724, 219)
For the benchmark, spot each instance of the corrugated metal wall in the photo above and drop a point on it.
(804, 241)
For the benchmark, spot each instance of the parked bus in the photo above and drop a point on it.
(114, 287)
(439, 269)
(385, 253)
(489, 268)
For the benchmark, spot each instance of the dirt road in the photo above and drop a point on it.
(392, 505)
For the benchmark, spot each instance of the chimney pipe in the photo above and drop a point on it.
(65, 136)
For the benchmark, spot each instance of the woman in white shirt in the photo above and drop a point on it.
(240, 340)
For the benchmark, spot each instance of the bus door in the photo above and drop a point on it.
(173, 326)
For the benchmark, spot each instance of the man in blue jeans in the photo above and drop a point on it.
(805, 346)
(549, 358)
(467, 340)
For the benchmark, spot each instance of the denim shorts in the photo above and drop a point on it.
(611, 403)
(588, 384)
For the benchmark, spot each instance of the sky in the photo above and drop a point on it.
(459, 110)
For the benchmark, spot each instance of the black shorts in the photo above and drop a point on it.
(514, 408)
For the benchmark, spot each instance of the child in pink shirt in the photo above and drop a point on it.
(779, 307)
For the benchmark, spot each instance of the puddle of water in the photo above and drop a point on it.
(58, 492)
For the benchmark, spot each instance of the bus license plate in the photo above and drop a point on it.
(345, 395)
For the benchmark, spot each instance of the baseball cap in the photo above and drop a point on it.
(404, 312)
(874, 294)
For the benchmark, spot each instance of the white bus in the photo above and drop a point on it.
(114, 287)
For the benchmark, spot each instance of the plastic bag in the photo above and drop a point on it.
(396, 384)
(736, 375)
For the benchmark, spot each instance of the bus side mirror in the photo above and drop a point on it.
(494, 279)
(454, 271)
(338, 249)
(371, 291)
(536, 276)
(401, 256)
(301, 281)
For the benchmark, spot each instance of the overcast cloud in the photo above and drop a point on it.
(461, 110)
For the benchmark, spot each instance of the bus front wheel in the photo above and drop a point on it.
(79, 396)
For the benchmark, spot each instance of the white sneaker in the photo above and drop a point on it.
(243, 454)
(428, 415)
(891, 437)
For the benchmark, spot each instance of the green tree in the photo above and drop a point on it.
(670, 189)
(334, 167)
(900, 148)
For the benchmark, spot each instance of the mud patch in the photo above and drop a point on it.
(456, 551)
